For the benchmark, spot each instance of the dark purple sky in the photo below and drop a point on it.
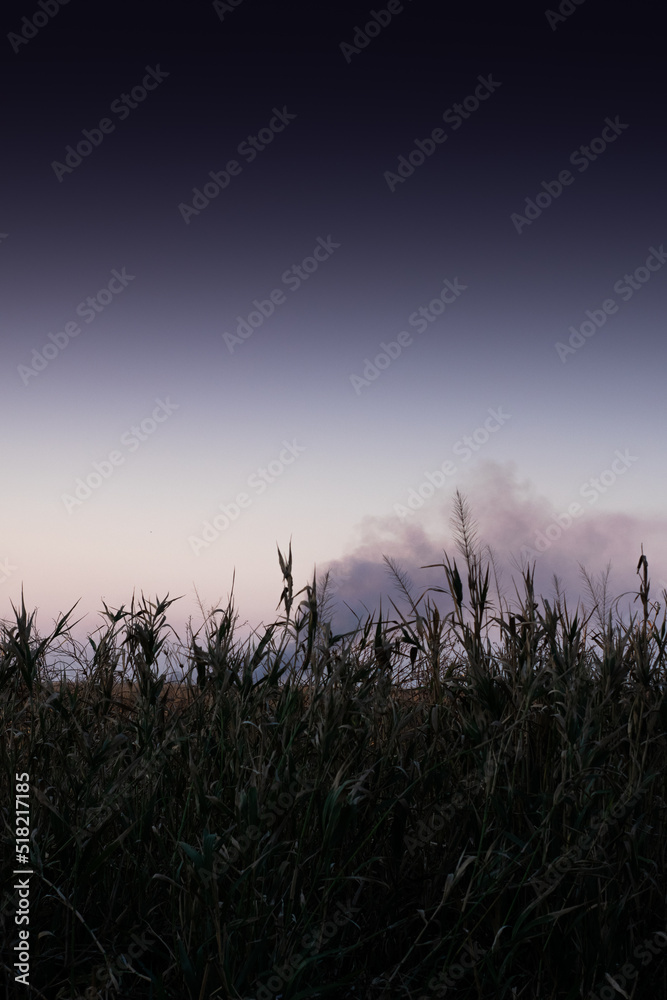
(259, 285)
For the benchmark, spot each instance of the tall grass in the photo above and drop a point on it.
(503, 822)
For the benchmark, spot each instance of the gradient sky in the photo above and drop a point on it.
(316, 213)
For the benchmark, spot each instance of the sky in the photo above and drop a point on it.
(272, 277)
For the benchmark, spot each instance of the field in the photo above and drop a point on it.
(403, 812)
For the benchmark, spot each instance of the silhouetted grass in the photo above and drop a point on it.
(201, 829)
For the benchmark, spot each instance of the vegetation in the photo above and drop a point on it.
(404, 811)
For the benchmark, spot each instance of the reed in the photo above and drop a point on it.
(399, 811)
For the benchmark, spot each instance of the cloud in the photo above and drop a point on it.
(509, 514)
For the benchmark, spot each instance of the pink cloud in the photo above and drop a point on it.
(508, 513)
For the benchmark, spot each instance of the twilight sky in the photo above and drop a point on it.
(268, 275)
